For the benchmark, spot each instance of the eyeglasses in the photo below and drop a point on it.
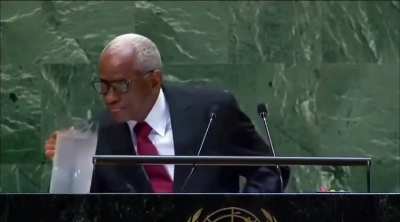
(120, 86)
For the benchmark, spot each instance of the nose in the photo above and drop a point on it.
(111, 97)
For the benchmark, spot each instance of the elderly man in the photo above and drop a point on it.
(149, 117)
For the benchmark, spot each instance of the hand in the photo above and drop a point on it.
(50, 146)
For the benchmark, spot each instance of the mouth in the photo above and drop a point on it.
(116, 110)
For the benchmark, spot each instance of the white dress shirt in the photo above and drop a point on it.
(161, 135)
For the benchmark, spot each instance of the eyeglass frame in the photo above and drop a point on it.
(112, 84)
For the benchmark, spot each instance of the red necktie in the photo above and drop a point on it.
(158, 175)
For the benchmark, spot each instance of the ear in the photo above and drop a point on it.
(156, 79)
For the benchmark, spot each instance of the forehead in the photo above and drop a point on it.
(117, 64)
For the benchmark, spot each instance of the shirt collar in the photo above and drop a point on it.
(157, 117)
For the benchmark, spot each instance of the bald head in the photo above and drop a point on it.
(142, 50)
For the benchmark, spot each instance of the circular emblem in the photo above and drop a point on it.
(231, 214)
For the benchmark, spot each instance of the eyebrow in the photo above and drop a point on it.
(115, 80)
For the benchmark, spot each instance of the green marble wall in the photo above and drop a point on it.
(329, 71)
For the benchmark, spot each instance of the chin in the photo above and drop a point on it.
(119, 118)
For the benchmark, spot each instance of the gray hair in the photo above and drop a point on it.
(146, 52)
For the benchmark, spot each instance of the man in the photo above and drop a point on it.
(149, 117)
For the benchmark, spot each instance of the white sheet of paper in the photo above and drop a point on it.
(72, 165)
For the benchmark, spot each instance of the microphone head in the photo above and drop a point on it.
(262, 109)
(213, 111)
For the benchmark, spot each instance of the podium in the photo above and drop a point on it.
(187, 207)
(326, 207)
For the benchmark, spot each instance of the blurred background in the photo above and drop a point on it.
(328, 70)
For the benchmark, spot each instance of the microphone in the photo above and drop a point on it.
(212, 116)
(263, 113)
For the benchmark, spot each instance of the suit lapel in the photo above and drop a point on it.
(123, 146)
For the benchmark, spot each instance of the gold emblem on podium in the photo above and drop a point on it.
(231, 214)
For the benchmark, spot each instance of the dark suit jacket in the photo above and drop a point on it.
(231, 133)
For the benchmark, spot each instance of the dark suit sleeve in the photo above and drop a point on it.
(244, 140)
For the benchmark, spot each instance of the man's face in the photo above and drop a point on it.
(142, 91)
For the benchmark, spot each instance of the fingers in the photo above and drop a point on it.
(50, 146)
(50, 154)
